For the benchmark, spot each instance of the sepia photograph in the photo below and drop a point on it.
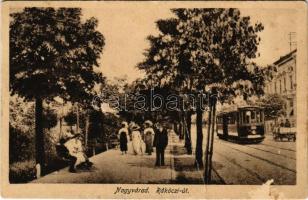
(154, 94)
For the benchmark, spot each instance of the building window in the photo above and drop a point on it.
(275, 87)
(292, 113)
(272, 87)
(280, 88)
(266, 89)
(291, 103)
(284, 84)
(291, 82)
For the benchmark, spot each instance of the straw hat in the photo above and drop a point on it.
(148, 122)
(135, 127)
(125, 124)
(131, 124)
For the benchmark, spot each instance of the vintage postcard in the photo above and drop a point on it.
(154, 99)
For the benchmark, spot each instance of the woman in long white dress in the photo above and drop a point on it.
(136, 139)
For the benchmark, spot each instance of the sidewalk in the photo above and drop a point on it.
(112, 167)
(186, 172)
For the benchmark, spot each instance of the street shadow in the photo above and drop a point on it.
(182, 178)
(184, 164)
(144, 161)
(178, 151)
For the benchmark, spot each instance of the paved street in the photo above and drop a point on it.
(233, 164)
(112, 167)
(254, 163)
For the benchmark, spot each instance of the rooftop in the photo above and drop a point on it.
(285, 57)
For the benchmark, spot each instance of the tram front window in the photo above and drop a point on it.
(259, 117)
(253, 116)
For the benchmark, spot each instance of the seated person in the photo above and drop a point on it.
(76, 152)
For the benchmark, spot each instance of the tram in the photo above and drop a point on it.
(242, 124)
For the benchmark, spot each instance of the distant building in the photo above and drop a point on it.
(284, 83)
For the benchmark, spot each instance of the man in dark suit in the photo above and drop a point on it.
(160, 142)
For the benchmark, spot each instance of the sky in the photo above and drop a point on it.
(126, 27)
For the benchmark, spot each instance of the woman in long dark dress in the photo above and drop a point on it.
(123, 134)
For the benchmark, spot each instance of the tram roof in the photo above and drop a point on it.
(237, 108)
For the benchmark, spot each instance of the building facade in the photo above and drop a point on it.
(284, 84)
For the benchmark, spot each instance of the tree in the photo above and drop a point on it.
(273, 105)
(53, 52)
(202, 49)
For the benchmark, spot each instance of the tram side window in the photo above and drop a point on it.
(246, 117)
(219, 120)
(231, 118)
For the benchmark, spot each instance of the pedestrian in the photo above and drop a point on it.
(136, 139)
(160, 142)
(123, 135)
(281, 123)
(130, 129)
(75, 149)
(287, 123)
(148, 137)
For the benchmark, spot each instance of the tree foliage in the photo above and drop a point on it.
(273, 105)
(53, 52)
(204, 47)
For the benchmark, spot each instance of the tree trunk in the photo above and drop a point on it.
(86, 130)
(199, 153)
(181, 135)
(60, 135)
(77, 118)
(188, 133)
(175, 128)
(39, 135)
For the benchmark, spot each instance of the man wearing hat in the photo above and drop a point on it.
(148, 136)
(160, 142)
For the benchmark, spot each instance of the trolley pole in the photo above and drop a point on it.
(210, 136)
(214, 101)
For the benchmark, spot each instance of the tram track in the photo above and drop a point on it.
(278, 154)
(263, 159)
(261, 179)
(267, 151)
(286, 149)
(268, 145)
(274, 153)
